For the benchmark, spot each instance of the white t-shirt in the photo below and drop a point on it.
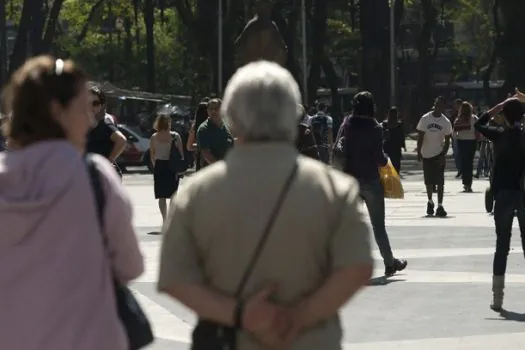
(469, 134)
(435, 129)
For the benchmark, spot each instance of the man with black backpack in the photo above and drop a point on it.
(321, 125)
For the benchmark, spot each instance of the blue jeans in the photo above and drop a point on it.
(506, 203)
(374, 197)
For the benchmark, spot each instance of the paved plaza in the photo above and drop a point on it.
(440, 302)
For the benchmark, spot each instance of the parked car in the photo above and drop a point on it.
(137, 149)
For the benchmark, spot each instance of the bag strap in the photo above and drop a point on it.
(98, 192)
(266, 232)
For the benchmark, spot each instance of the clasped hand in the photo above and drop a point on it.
(273, 325)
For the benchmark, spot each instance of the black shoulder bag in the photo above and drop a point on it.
(175, 162)
(135, 322)
(209, 335)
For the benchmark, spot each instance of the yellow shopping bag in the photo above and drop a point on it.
(391, 181)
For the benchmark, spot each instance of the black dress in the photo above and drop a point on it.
(165, 180)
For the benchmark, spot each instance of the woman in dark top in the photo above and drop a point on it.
(394, 138)
(200, 116)
(506, 184)
(305, 142)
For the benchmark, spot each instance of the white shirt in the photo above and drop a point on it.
(435, 129)
(469, 134)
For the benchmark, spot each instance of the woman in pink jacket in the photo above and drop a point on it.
(56, 290)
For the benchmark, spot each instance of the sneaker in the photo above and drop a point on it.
(398, 265)
(458, 175)
(430, 208)
(440, 212)
(476, 175)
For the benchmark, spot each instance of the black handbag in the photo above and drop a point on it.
(209, 335)
(135, 322)
(176, 162)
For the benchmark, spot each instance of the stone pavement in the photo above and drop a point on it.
(440, 302)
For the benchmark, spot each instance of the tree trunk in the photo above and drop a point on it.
(51, 26)
(19, 54)
(494, 56)
(3, 43)
(38, 20)
(91, 16)
(149, 20)
(374, 19)
(426, 58)
(512, 49)
(318, 33)
(287, 27)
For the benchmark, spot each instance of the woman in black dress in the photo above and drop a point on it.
(394, 138)
(162, 143)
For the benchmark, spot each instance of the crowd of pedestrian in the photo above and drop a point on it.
(265, 242)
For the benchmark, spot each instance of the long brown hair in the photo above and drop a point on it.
(465, 111)
(28, 96)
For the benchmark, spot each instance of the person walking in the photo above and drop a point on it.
(200, 117)
(305, 142)
(58, 270)
(506, 185)
(165, 178)
(465, 136)
(214, 138)
(455, 149)
(394, 138)
(434, 133)
(364, 155)
(104, 137)
(321, 125)
(304, 219)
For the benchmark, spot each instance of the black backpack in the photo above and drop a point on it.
(319, 126)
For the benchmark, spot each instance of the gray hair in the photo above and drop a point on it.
(261, 103)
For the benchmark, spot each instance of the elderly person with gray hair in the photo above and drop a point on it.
(267, 245)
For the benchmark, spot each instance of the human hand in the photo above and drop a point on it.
(264, 318)
(519, 95)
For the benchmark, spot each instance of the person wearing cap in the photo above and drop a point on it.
(363, 149)
(507, 183)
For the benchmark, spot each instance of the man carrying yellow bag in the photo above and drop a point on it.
(362, 154)
(391, 181)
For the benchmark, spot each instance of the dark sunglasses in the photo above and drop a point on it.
(96, 103)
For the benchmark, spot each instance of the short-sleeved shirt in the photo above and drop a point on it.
(321, 124)
(99, 138)
(465, 131)
(217, 139)
(436, 129)
(319, 229)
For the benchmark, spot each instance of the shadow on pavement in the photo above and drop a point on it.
(384, 281)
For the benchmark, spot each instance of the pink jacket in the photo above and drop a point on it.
(55, 286)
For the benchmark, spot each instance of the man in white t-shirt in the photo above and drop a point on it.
(434, 132)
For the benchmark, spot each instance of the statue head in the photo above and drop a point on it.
(263, 8)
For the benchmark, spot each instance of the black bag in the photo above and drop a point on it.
(176, 163)
(339, 151)
(209, 335)
(133, 319)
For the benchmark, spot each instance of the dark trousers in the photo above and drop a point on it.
(395, 157)
(373, 195)
(324, 154)
(506, 203)
(467, 149)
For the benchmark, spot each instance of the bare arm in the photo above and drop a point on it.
(208, 156)
(420, 139)
(190, 144)
(119, 145)
(179, 146)
(152, 150)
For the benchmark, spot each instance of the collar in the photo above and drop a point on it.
(257, 152)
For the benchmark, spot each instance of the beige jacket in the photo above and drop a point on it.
(218, 216)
